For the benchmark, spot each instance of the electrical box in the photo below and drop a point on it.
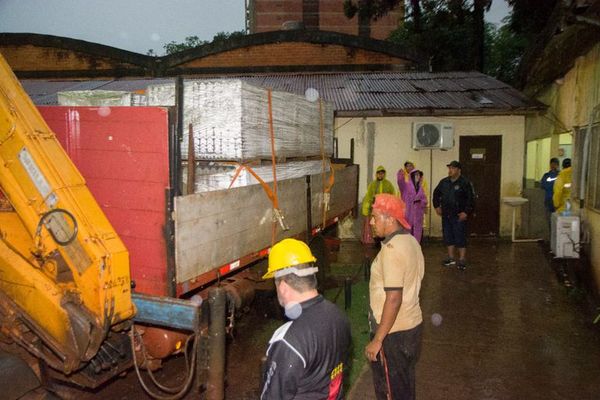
(564, 236)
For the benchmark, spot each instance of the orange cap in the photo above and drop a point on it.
(392, 206)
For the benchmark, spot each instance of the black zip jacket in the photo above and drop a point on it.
(454, 197)
(307, 356)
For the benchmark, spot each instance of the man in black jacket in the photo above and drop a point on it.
(307, 355)
(454, 200)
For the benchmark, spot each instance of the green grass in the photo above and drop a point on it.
(357, 314)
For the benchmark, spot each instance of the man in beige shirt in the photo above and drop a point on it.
(395, 314)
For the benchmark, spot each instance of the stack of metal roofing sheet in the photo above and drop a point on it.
(214, 177)
(230, 120)
(100, 98)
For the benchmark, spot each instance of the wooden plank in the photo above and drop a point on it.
(215, 228)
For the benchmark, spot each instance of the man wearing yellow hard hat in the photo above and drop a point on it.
(306, 355)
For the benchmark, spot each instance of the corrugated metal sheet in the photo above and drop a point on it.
(45, 92)
(352, 92)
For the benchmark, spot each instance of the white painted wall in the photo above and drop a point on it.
(572, 102)
(393, 146)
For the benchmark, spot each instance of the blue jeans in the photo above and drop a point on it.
(455, 231)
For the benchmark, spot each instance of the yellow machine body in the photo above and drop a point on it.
(64, 272)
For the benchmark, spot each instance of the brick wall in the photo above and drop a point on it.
(292, 53)
(34, 58)
(269, 15)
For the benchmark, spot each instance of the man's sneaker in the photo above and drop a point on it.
(461, 265)
(448, 262)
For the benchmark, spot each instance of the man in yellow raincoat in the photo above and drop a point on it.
(378, 186)
(562, 187)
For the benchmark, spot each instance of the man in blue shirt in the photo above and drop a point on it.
(548, 186)
(454, 201)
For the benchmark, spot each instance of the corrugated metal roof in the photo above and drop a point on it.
(352, 92)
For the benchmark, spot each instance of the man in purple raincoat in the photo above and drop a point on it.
(415, 199)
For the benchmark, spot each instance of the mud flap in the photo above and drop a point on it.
(16, 378)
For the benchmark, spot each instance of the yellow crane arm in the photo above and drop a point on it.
(64, 272)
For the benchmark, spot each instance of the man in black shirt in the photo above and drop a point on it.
(454, 200)
(307, 355)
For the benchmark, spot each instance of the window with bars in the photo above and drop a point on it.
(592, 169)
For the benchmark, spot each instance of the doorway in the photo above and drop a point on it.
(481, 157)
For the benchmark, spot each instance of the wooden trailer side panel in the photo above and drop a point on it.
(216, 228)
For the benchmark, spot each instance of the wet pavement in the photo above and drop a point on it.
(506, 328)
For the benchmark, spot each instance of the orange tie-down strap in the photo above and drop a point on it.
(268, 191)
(330, 180)
(327, 185)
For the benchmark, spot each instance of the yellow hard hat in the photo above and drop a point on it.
(287, 253)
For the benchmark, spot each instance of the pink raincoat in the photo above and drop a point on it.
(415, 199)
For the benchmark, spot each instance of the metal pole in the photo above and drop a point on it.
(308, 209)
(347, 293)
(431, 209)
(191, 162)
(367, 268)
(217, 300)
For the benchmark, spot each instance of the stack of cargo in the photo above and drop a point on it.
(230, 121)
(101, 98)
(213, 177)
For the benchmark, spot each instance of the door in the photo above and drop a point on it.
(481, 157)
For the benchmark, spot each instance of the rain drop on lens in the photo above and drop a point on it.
(311, 94)
(104, 111)
(436, 319)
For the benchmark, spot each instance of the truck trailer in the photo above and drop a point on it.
(108, 256)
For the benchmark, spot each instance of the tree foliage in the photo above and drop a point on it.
(510, 42)
(529, 17)
(504, 52)
(452, 35)
(371, 9)
(194, 41)
(367, 11)
(189, 43)
(443, 34)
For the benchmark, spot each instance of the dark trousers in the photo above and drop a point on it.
(401, 351)
(454, 231)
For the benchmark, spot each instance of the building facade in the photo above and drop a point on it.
(324, 15)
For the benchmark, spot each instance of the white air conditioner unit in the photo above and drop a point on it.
(564, 236)
(432, 135)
